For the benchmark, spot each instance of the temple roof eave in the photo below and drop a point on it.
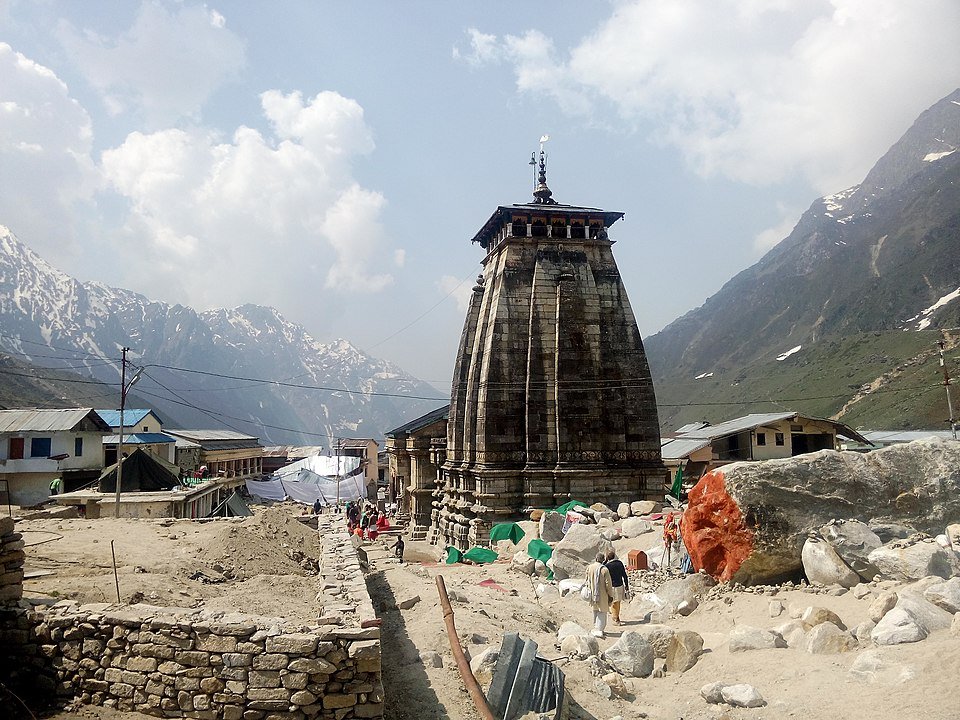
(501, 215)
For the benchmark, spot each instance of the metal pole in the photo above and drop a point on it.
(946, 384)
(115, 578)
(338, 471)
(123, 399)
(473, 687)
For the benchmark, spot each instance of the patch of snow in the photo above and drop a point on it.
(788, 353)
(933, 157)
(701, 376)
(924, 316)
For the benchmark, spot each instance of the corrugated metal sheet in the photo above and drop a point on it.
(886, 437)
(46, 420)
(737, 425)
(200, 435)
(431, 417)
(681, 448)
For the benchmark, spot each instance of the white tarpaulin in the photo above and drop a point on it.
(325, 465)
(307, 490)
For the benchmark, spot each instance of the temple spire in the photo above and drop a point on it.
(543, 195)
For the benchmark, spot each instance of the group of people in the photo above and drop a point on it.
(365, 521)
(606, 587)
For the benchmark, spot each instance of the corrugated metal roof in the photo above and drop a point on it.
(48, 420)
(681, 448)
(354, 443)
(130, 416)
(737, 425)
(690, 427)
(201, 435)
(139, 439)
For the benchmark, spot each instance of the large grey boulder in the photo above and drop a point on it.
(913, 559)
(551, 526)
(747, 521)
(631, 655)
(896, 627)
(853, 541)
(823, 566)
(685, 589)
(742, 695)
(643, 507)
(578, 549)
(580, 647)
(871, 666)
(570, 628)
(623, 510)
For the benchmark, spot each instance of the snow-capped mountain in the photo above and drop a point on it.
(318, 391)
(861, 267)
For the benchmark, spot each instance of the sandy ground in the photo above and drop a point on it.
(262, 565)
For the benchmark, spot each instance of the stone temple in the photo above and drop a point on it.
(552, 398)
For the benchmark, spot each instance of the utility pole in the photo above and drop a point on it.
(339, 441)
(124, 386)
(123, 400)
(946, 384)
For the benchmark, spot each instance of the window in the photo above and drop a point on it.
(78, 447)
(778, 438)
(761, 438)
(40, 447)
(16, 449)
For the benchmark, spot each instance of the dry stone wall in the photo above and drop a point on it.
(176, 662)
(11, 562)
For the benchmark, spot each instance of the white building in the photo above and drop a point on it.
(37, 446)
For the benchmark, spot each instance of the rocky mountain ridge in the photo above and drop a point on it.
(874, 260)
(321, 391)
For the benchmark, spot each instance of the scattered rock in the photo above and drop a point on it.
(793, 633)
(545, 591)
(747, 637)
(631, 655)
(823, 566)
(431, 658)
(634, 526)
(713, 692)
(853, 541)
(913, 560)
(826, 638)
(871, 667)
(643, 507)
(861, 591)
(611, 533)
(862, 632)
(814, 616)
(955, 626)
(684, 650)
(945, 595)
(881, 605)
(687, 606)
(551, 527)
(523, 562)
(482, 665)
(570, 628)
(408, 603)
(776, 608)
(896, 627)
(742, 695)
(658, 636)
(579, 647)
(623, 510)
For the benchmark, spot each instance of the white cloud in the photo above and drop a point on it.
(165, 65)
(460, 289)
(484, 48)
(45, 142)
(216, 217)
(767, 239)
(756, 91)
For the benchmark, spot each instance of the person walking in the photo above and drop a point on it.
(600, 590)
(620, 582)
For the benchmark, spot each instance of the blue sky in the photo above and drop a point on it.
(333, 159)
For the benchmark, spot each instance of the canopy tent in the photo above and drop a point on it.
(323, 465)
(507, 531)
(142, 472)
(308, 490)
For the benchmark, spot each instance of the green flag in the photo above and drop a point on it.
(677, 483)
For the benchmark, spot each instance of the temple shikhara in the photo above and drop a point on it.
(552, 397)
